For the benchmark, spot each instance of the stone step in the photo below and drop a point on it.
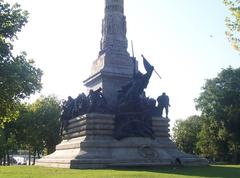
(90, 122)
(88, 133)
(95, 116)
(161, 134)
(91, 127)
(161, 129)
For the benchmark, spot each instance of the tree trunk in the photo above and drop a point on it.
(4, 160)
(8, 158)
(34, 157)
(48, 150)
(38, 154)
(235, 153)
(29, 157)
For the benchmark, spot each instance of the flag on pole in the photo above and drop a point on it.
(147, 65)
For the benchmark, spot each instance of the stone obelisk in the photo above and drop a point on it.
(114, 67)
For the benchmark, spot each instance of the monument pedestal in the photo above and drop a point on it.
(111, 71)
(88, 143)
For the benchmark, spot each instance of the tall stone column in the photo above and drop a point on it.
(114, 28)
(114, 67)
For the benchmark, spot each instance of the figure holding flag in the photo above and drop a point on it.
(147, 64)
(149, 68)
(129, 95)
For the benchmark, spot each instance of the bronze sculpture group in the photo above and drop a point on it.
(133, 109)
(94, 102)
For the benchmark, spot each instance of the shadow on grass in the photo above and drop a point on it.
(219, 171)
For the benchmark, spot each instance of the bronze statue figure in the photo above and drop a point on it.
(135, 110)
(94, 102)
(129, 98)
(163, 103)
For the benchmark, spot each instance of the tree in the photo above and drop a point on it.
(26, 131)
(46, 114)
(233, 23)
(2, 147)
(36, 129)
(18, 76)
(185, 134)
(8, 142)
(220, 102)
(212, 140)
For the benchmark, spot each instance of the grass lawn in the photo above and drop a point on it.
(213, 171)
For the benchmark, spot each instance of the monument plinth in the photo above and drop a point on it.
(133, 133)
(88, 143)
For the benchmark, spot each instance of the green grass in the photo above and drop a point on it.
(213, 171)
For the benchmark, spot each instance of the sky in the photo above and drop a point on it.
(184, 40)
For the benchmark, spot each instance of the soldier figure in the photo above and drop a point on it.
(67, 113)
(97, 102)
(130, 95)
(163, 102)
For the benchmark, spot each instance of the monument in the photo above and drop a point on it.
(116, 124)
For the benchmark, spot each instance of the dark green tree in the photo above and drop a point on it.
(220, 102)
(2, 147)
(46, 114)
(233, 23)
(8, 142)
(212, 140)
(37, 128)
(26, 132)
(18, 76)
(185, 134)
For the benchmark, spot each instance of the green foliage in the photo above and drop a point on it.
(12, 19)
(18, 76)
(25, 129)
(8, 141)
(46, 114)
(36, 129)
(212, 140)
(220, 104)
(2, 143)
(216, 134)
(233, 23)
(38, 126)
(185, 134)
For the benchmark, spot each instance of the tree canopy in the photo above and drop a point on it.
(37, 129)
(216, 133)
(18, 76)
(220, 104)
(185, 134)
(46, 113)
(233, 23)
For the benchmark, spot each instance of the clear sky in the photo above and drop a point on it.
(184, 39)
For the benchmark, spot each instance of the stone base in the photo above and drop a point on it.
(79, 153)
(111, 71)
(91, 145)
